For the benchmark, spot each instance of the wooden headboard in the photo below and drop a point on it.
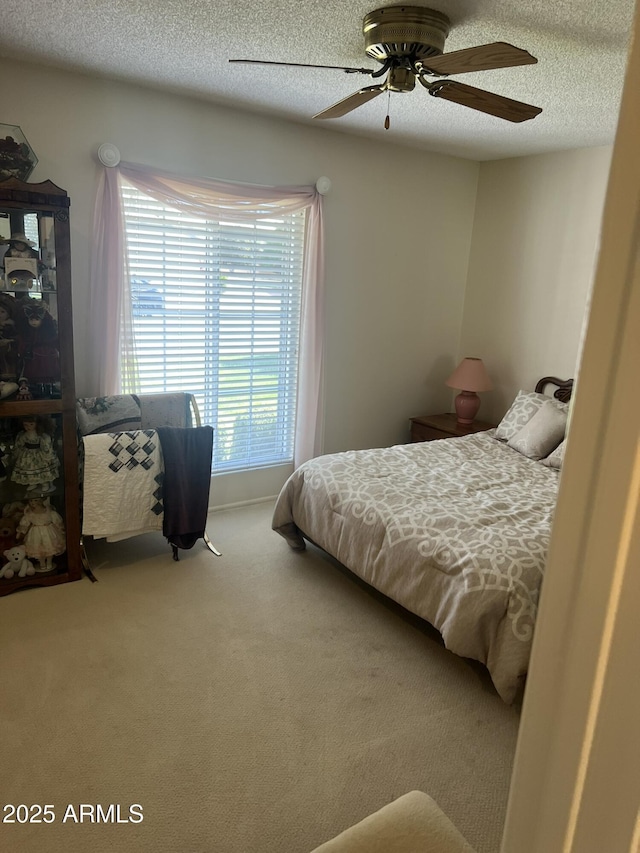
(563, 390)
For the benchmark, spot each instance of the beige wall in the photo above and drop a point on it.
(534, 245)
(395, 274)
(504, 276)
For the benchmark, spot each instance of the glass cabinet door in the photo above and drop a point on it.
(32, 506)
(29, 346)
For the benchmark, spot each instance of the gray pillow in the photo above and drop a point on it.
(523, 408)
(555, 459)
(542, 433)
(116, 413)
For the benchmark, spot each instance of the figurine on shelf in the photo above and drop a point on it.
(17, 563)
(11, 514)
(3, 468)
(38, 334)
(35, 463)
(8, 527)
(22, 264)
(8, 347)
(24, 392)
(20, 246)
(42, 530)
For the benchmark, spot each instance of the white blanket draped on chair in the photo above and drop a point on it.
(123, 475)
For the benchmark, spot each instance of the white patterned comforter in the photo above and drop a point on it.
(456, 531)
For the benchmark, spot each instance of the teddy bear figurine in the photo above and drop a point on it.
(17, 563)
(8, 527)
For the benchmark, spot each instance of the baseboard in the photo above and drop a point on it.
(238, 504)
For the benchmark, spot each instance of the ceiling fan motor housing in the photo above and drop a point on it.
(404, 31)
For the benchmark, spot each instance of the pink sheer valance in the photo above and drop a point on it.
(110, 325)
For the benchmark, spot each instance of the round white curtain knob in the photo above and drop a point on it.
(323, 185)
(108, 154)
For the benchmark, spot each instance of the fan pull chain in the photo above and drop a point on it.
(387, 121)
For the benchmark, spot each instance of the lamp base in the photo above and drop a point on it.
(467, 404)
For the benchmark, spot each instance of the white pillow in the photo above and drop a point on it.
(555, 459)
(542, 433)
(523, 408)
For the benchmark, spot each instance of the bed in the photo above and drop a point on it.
(455, 530)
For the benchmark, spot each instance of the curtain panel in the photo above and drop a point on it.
(110, 303)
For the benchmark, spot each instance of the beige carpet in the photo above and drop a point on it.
(258, 702)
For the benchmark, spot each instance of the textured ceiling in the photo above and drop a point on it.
(184, 45)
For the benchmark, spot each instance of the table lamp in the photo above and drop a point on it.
(469, 377)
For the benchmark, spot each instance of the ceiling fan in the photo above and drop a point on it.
(408, 43)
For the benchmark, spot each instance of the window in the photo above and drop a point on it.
(215, 309)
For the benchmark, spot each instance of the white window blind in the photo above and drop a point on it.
(216, 312)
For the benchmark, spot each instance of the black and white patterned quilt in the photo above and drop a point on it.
(123, 476)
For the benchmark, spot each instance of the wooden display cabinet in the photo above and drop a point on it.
(39, 488)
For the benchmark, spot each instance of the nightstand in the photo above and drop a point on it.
(432, 427)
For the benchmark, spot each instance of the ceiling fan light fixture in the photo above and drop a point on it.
(400, 80)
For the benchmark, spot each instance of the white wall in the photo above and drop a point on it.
(534, 245)
(504, 276)
(395, 273)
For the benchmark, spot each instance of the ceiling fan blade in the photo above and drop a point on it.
(352, 102)
(485, 102)
(499, 54)
(305, 65)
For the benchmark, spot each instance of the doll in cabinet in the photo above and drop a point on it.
(35, 464)
(8, 346)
